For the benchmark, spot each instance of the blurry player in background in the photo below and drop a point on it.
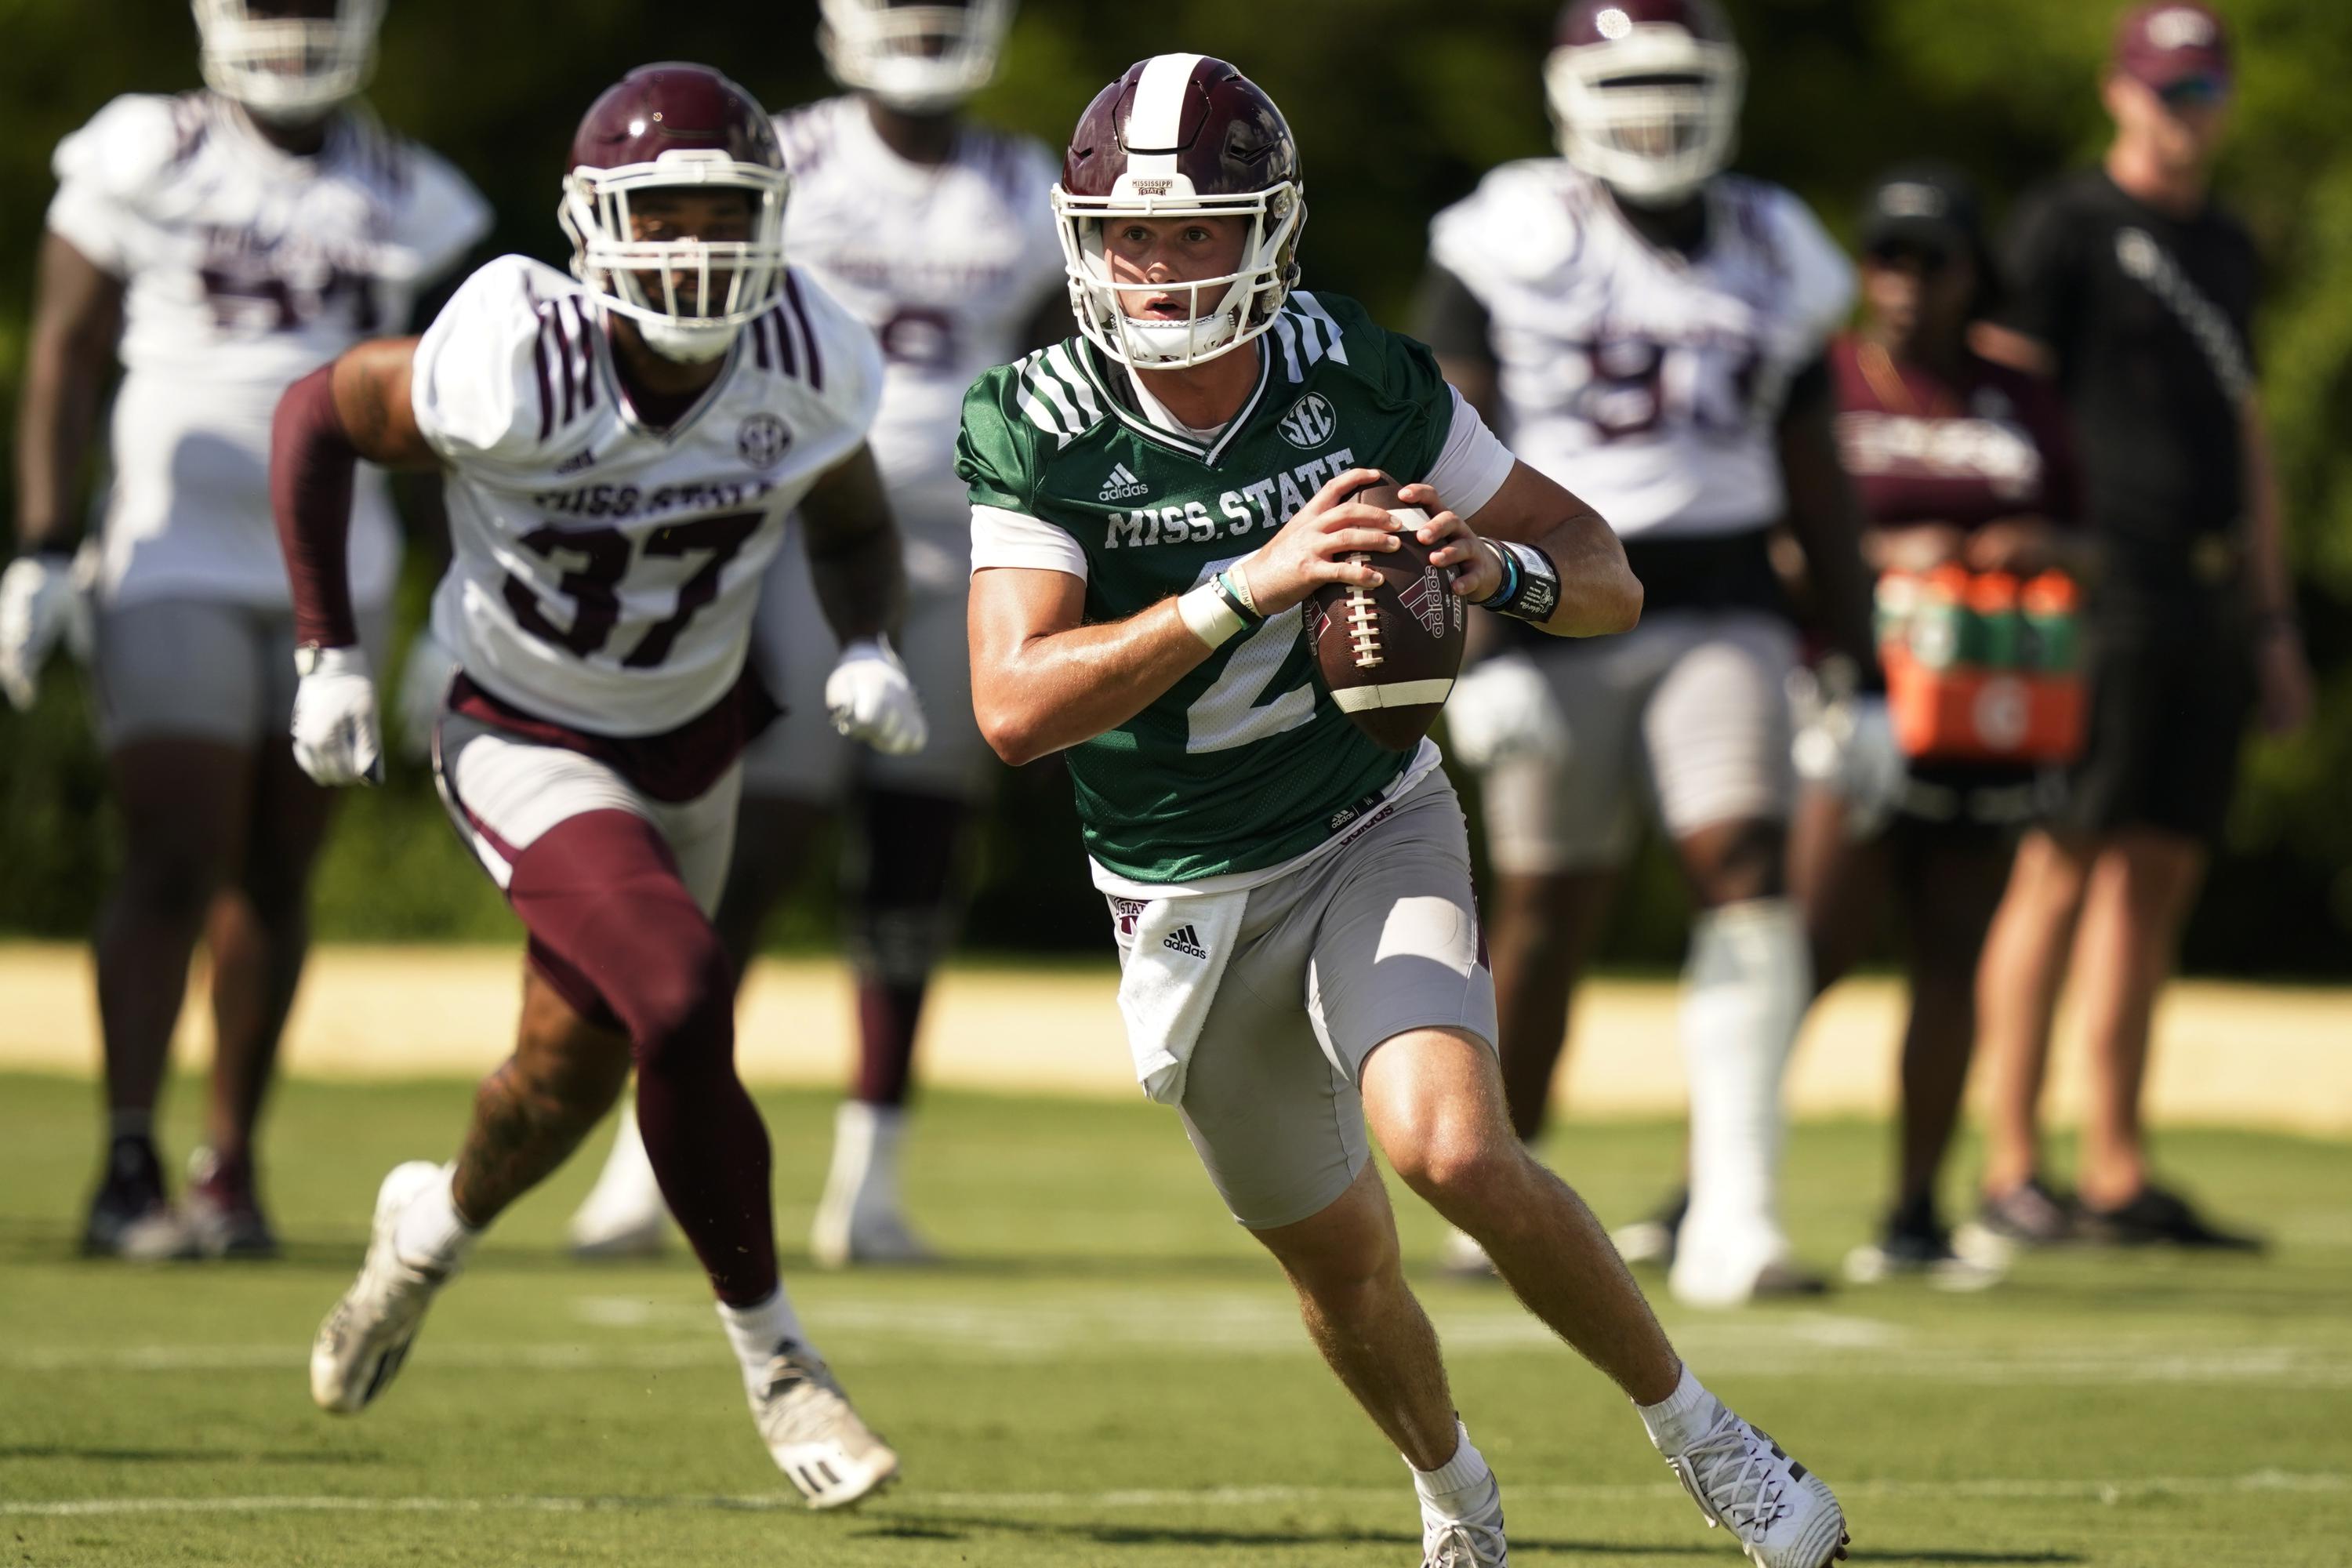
(1957, 460)
(622, 452)
(2138, 290)
(236, 238)
(1650, 331)
(935, 232)
(1299, 950)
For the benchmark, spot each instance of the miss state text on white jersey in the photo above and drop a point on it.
(244, 268)
(604, 572)
(1649, 383)
(948, 264)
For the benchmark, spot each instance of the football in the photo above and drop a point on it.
(1388, 655)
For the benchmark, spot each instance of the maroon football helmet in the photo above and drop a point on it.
(1645, 94)
(663, 127)
(1181, 135)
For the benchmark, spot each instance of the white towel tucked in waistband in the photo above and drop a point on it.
(1172, 952)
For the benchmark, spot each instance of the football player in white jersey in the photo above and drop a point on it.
(622, 449)
(1650, 329)
(224, 242)
(935, 232)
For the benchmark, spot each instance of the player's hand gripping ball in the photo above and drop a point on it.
(1389, 654)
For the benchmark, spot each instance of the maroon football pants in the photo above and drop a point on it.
(613, 928)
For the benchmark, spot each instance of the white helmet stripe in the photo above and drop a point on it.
(1157, 118)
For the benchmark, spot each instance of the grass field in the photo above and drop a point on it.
(1111, 1375)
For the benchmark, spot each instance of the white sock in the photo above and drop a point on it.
(756, 1331)
(1682, 1417)
(1745, 989)
(430, 1234)
(866, 1142)
(1460, 1487)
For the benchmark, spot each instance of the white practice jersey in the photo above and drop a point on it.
(603, 572)
(1649, 384)
(948, 265)
(245, 267)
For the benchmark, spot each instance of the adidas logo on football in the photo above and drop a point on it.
(1122, 485)
(1185, 938)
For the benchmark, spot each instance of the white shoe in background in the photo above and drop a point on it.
(860, 1219)
(623, 1215)
(1461, 1257)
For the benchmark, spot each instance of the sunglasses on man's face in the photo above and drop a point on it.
(2194, 92)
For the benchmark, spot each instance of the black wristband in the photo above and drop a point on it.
(1532, 592)
(1251, 619)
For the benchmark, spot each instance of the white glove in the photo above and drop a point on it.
(1503, 709)
(338, 739)
(424, 682)
(1846, 745)
(38, 604)
(870, 699)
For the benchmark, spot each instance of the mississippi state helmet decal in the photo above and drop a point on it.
(1178, 135)
(1645, 94)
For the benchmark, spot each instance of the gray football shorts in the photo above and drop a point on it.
(801, 756)
(1357, 947)
(206, 669)
(1690, 710)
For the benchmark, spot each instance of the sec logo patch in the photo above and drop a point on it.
(763, 441)
(1310, 423)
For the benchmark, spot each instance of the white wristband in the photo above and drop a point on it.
(1208, 615)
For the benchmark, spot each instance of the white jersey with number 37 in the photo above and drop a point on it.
(1649, 383)
(603, 572)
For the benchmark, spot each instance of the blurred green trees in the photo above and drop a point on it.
(1398, 104)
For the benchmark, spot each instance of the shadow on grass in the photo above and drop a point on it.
(1956, 1555)
(955, 1527)
(187, 1455)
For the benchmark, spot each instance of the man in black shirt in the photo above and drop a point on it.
(2133, 289)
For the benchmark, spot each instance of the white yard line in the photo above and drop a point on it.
(2016, 1487)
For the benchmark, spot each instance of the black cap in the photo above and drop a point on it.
(1929, 204)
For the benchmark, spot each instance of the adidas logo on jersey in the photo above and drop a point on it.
(583, 459)
(1122, 485)
(1185, 938)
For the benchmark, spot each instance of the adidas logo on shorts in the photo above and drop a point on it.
(1185, 938)
(1122, 485)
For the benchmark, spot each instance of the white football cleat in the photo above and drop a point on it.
(1781, 1513)
(815, 1437)
(360, 1347)
(1465, 1542)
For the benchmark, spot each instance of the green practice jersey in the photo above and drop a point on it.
(1245, 762)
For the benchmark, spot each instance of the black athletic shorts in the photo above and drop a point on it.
(2171, 668)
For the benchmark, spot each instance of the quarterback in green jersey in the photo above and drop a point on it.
(1152, 502)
